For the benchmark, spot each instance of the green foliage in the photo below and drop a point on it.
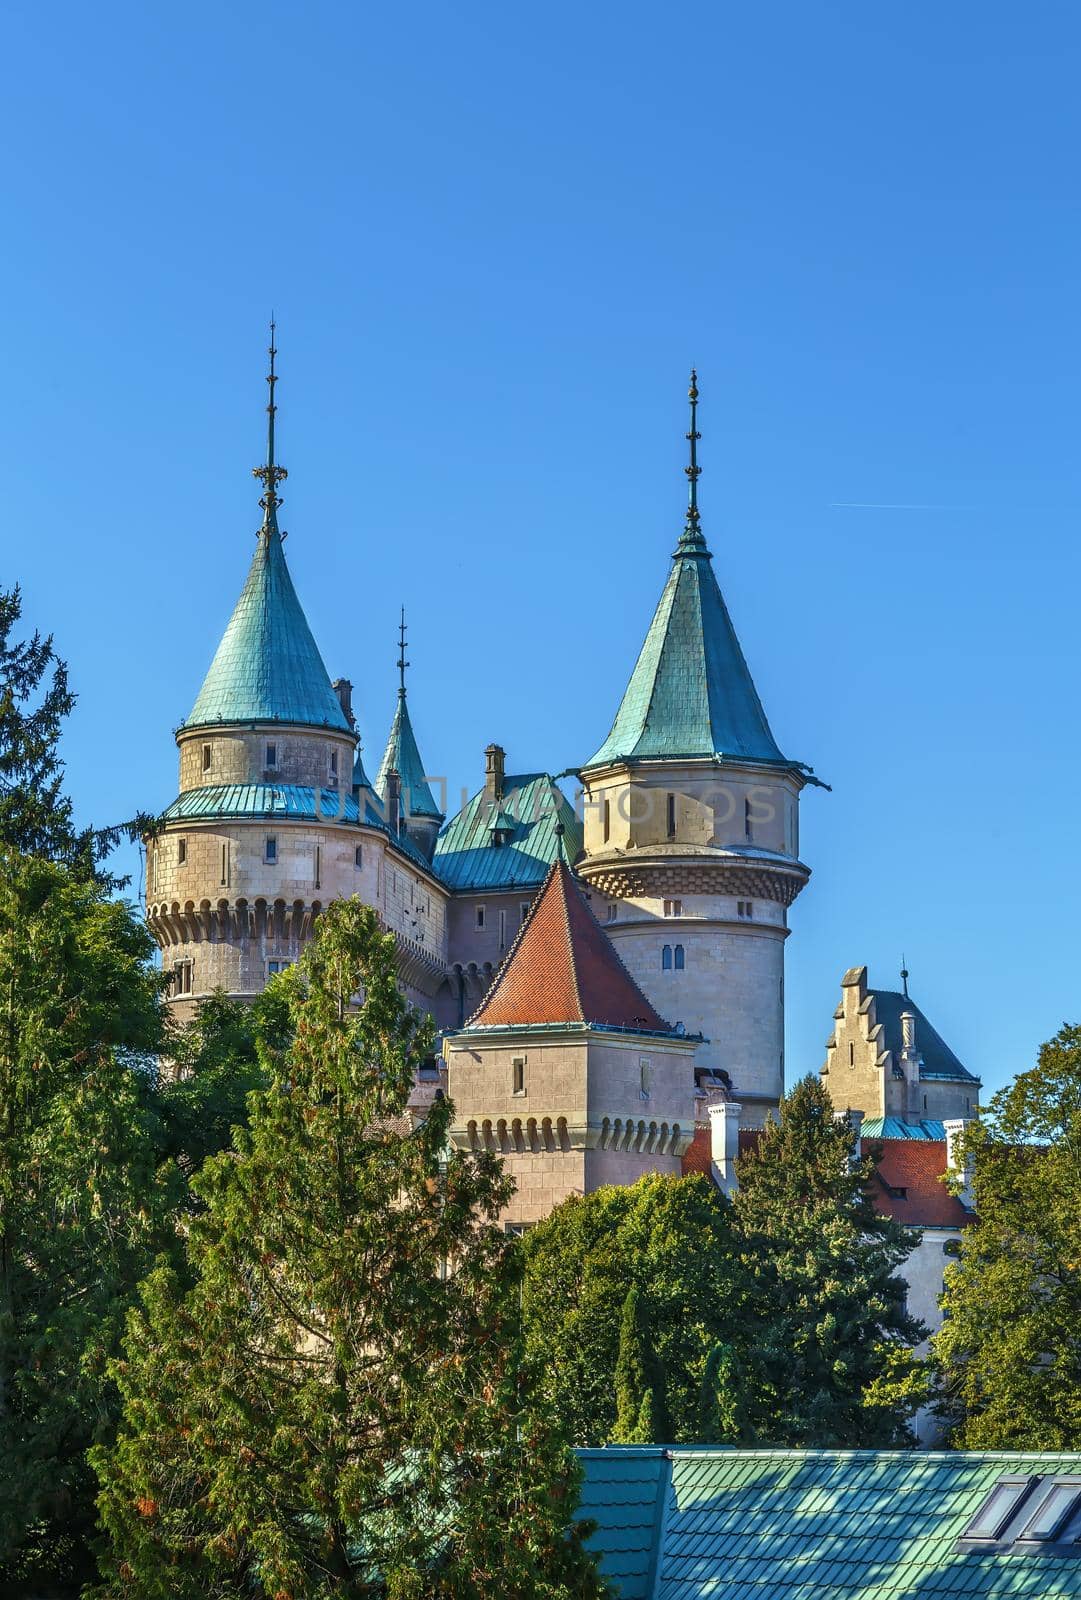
(828, 1362)
(1009, 1351)
(83, 1208)
(722, 1406)
(641, 1416)
(645, 1280)
(329, 1409)
(35, 698)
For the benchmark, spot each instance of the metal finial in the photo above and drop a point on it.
(402, 662)
(904, 975)
(561, 849)
(271, 474)
(692, 533)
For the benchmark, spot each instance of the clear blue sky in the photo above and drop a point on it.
(495, 238)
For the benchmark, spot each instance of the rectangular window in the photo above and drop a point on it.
(851, 1055)
(206, 758)
(480, 916)
(673, 908)
(607, 820)
(1054, 1509)
(613, 913)
(181, 851)
(274, 967)
(502, 928)
(645, 1077)
(334, 766)
(747, 827)
(225, 866)
(671, 818)
(666, 958)
(183, 977)
(271, 755)
(745, 909)
(525, 909)
(318, 864)
(1005, 1499)
(270, 849)
(358, 856)
(518, 1070)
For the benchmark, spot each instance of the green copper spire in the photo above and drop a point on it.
(691, 693)
(402, 754)
(267, 667)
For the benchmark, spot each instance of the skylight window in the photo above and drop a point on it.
(1029, 1513)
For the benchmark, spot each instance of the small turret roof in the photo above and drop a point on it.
(563, 968)
(403, 755)
(691, 693)
(267, 667)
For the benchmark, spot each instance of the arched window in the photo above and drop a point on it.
(666, 958)
(679, 958)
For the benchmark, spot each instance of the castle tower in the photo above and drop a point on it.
(268, 826)
(566, 1068)
(692, 828)
(418, 814)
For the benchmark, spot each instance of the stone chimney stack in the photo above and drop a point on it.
(494, 758)
(344, 690)
(724, 1143)
(910, 1062)
(394, 801)
(954, 1132)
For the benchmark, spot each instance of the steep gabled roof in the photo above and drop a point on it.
(267, 667)
(403, 755)
(468, 857)
(562, 968)
(939, 1060)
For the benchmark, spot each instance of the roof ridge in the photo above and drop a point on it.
(561, 866)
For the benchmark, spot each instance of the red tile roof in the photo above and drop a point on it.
(917, 1166)
(562, 967)
(698, 1156)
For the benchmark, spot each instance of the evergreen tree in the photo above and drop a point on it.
(830, 1361)
(665, 1247)
(1009, 1350)
(83, 1208)
(640, 1410)
(35, 813)
(722, 1412)
(339, 1404)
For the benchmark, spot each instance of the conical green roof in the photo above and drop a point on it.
(403, 755)
(267, 667)
(691, 692)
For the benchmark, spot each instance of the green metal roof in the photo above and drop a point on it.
(939, 1060)
(402, 753)
(466, 858)
(691, 692)
(267, 667)
(728, 1524)
(897, 1128)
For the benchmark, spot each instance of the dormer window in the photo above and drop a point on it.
(271, 757)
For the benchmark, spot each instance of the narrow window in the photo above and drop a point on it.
(750, 909)
(181, 851)
(851, 1054)
(518, 1067)
(480, 916)
(206, 758)
(925, 1102)
(271, 756)
(666, 958)
(270, 851)
(334, 766)
(645, 1077)
(679, 957)
(225, 865)
(747, 828)
(525, 909)
(671, 816)
(318, 862)
(358, 856)
(673, 908)
(613, 913)
(502, 928)
(607, 820)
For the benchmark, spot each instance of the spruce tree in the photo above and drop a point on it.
(722, 1414)
(339, 1404)
(641, 1417)
(830, 1360)
(83, 1206)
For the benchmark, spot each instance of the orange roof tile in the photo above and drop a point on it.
(562, 967)
(916, 1166)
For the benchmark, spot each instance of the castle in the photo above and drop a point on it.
(608, 986)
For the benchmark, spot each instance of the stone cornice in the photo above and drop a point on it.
(661, 873)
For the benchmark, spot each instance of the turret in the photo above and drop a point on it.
(412, 807)
(692, 827)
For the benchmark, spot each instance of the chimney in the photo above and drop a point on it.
(393, 801)
(724, 1143)
(344, 690)
(954, 1132)
(494, 757)
(910, 1061)
(908, 1030)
